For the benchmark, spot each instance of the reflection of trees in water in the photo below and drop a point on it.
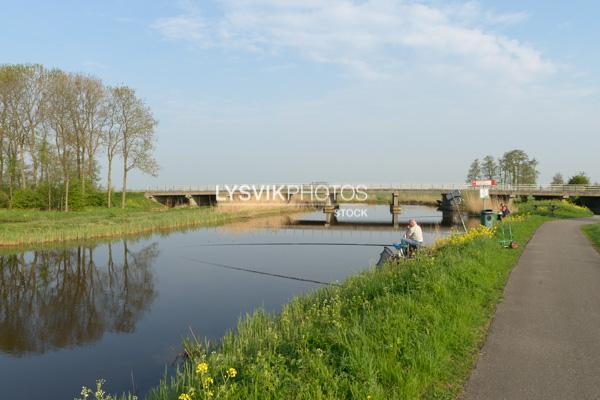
(57, 298)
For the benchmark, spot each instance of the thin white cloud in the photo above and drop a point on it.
(508, 18)
(473, 12)
(189, 28)
(370, 37)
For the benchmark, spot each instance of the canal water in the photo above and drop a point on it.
(119, 310)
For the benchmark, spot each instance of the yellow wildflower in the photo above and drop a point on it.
(202, 368)
(208, 381)
(184, 396)
(231, 372)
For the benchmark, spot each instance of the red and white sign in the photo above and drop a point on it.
(485, 182)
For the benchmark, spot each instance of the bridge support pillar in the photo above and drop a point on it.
(330, 209)
(451, 218)
(191, 201)
(395, 209)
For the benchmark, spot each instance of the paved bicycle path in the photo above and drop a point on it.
(544, 341)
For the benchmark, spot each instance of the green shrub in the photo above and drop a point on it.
(79, 199)
(95, 198)
(28, 198)
(4, 199)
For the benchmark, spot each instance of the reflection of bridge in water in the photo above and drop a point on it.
(291, 222)
(362, 225)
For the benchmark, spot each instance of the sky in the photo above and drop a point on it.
(345, 91)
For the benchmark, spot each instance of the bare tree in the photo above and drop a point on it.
(489, 169)
(136, 128)
(31, 109)
(558, 179)
(60, 100)
(94, 94)
(12, 131)
(474, 171)
(4, 121)
(111, 136)
(86, 115)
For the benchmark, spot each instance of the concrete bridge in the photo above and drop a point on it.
(212, 194)
(328, 195)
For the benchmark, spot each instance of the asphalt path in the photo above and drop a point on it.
(544, 340)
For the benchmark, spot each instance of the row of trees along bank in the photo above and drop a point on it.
(515, 167)
(55, 126)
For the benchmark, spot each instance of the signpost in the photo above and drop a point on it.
(484, 188)
(483, 182)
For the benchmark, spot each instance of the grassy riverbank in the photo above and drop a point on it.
(32, 227)
(407, 330)
(554, 208)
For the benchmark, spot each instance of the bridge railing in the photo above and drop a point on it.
(549, 188)
(181, 188)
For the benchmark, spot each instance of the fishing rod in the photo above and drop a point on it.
(254, 271)
(289, 244)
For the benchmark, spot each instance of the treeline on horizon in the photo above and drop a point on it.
(55, 126)
(514, 167)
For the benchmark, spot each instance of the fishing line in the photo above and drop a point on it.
(288, 244)
(254, 271)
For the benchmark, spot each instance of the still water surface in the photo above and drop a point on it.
(119, 310)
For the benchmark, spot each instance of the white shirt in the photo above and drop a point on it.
(414, 233)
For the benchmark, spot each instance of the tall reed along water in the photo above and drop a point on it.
(119, 310)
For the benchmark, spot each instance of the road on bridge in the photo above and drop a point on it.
(544, 341)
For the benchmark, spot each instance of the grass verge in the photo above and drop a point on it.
(407, 330)
(592, 231)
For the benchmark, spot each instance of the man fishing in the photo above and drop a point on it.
(413, 237)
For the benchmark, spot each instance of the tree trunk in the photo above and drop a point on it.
(34, 171)
(2, 162)
(12, 173)
(10, 191)
(67, 192)
(22, 166)
(91, 168)
(80, 169)
(109, 180)
(83, 185)
(49, 196)
(47, 178)
(124, 184)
